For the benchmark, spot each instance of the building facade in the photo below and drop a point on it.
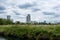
(8, 17)
(28, 18)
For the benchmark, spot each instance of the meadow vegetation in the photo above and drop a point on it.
(32, 32)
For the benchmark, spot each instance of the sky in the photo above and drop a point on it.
(39, 10)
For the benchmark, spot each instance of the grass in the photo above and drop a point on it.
(32, 31)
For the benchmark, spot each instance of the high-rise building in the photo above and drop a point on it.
(8, 17)
(28, 18)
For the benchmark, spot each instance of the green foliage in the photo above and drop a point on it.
(32, 31)
(5, 21)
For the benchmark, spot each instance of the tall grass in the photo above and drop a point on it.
(32, 32)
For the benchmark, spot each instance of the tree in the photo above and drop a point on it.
(5, 21)
(1, 21)
(17, 22)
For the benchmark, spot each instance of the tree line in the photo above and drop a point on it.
(5, 21)
(10, 22)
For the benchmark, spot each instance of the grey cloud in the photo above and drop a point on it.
(52, 14)
(48, 13)
(16, 13)
(57, 15)
(3, 0)
(19, 17)
(2, 8)
(35, 9)
(19, 14)
(57, 7)
(1, 12)
(25, 6)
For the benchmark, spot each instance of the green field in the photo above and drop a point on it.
(32, 31)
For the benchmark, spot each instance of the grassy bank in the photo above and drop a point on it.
(32, 32)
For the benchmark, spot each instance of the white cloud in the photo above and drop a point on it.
(43, 5)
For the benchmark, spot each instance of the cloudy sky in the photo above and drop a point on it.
(39, 10)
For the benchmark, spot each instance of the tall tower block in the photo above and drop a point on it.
(28, 18)
(8, 17)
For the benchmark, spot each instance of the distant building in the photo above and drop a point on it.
(8, 17)
(45, 21)
(28, 18)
